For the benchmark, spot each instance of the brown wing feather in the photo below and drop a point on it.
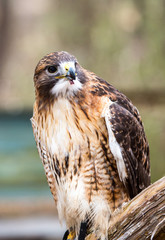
(130, 135)
(128, 130)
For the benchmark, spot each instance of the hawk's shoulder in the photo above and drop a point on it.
(127, 139)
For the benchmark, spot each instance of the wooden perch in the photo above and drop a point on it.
(143, 217)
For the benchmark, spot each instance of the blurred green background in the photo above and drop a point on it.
(121, 41)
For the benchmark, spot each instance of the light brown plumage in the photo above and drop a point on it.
(91, 141)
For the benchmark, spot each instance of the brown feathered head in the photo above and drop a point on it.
(58, 74)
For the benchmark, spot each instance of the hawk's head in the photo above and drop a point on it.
(58, 74)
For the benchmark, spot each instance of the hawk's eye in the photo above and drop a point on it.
(52, 69)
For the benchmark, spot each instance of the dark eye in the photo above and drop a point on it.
(52, 69)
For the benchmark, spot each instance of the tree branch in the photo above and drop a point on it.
(143, 217)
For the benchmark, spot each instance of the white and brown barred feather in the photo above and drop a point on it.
(45, 157)
(92, 144)
(126, 125)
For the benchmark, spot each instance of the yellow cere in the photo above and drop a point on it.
(67, 67)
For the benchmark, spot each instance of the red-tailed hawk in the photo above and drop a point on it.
(91, 141)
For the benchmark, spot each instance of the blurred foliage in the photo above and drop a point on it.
(21, 170)
(121, 41)
(154, 119)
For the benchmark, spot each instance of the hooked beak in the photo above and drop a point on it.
(71, 75)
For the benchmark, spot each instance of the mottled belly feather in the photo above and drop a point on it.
(80, 165)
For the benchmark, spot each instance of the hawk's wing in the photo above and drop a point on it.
(128, 144)
(45, 157)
